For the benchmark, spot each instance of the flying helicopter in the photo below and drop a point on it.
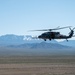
(51, 34)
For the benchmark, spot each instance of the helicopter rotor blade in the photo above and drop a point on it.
(40, 30)
(59, 28)
(62, 28)
(52, 29)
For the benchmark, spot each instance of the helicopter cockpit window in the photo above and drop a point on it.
(43, 34)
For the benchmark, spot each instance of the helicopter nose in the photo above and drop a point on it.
(39, 36)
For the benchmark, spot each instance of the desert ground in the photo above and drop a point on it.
(37, 65)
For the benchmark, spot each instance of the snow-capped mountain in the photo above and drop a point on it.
(20, 44)
(11, 39)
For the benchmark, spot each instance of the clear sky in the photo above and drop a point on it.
(19, 16)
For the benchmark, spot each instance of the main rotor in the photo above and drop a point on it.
(58, 28)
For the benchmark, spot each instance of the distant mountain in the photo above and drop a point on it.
(69, 43)
(25, 45)
(35, 49)
(42, 45)
(11, 39)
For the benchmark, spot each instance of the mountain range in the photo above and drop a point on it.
(28, 41)
(25, 45)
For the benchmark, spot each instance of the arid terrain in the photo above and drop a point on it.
(37, 65)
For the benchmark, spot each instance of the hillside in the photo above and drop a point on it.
(26, 45)
(11, 39)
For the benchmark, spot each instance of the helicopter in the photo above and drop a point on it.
(51, 35)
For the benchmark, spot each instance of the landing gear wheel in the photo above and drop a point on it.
(44, 39)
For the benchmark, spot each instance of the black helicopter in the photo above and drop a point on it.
(50, 34)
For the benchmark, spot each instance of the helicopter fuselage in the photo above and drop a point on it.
(52, 35)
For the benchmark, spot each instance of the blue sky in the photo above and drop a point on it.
(19, 16)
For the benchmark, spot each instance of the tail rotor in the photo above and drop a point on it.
(72, 32)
